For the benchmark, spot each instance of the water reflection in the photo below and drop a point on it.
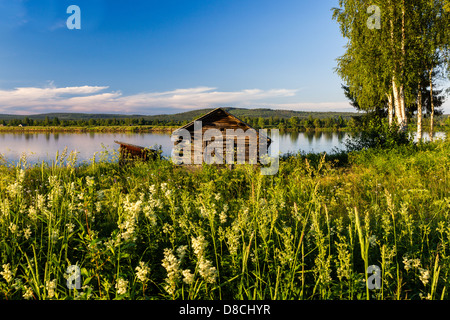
(328, 136)
(294, 137)
(341, 136)
(44, 146)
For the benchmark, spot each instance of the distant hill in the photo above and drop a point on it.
(185, 116)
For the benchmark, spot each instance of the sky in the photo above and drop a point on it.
(169, 56)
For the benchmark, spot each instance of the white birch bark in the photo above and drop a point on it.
(419, 115)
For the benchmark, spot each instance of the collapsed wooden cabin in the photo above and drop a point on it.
(130, 152)
(234, 140)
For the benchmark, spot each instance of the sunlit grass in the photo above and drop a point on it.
(157, 231)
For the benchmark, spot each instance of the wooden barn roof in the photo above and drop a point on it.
(215, 115)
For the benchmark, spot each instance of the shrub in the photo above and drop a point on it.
(378, 134)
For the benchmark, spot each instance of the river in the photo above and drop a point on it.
(39, 147)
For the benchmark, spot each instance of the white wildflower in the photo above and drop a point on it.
(128, 227)
(7, 273)
(121, 286)
(13, 228)
(373, 240)
(51, 286)
(90, 181)
(232, 236)
(203, 212)
(28, 294)
(199, 245)
(181, 252)
(159, 204)
(207, 271)
(55, 235)
(150, 215)
(27, 232)
(53, 181)
(5, 207)
(132, 208)
(188, 277)
(410, 263)
(424, 276)
(40, 202)
(21, 176)
(142, 272)
(17, 284)
(70, 226)
(167, 228)
(14, 189)
(100, 195)
(223, 217)
(32, 213)
(172, 266)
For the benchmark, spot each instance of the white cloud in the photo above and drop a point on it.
(97, 99)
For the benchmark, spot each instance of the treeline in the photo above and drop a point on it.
(353, 123)
(56, 122)
(290, 124)
(295, 123)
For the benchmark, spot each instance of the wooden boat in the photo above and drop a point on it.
(130, 152)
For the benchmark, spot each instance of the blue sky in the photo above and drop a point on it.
(166, 56)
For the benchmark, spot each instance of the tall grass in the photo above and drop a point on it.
(157, 231)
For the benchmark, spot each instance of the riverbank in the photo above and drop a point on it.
(170, 129)
(72, 129)
(143, 129)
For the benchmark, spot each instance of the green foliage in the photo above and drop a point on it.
(158, 231)
(258, 118)
(379, 135)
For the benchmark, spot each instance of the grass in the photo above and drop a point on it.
(157, 231)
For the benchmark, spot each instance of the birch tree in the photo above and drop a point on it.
(388, 63)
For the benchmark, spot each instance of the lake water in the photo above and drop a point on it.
(44, 146)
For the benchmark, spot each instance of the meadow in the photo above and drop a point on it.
(158, 231)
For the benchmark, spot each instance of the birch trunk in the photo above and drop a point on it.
(390, 109)
(432, 106)
(419, 115)
(398, 92)
(404, 123)
(398, 104)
